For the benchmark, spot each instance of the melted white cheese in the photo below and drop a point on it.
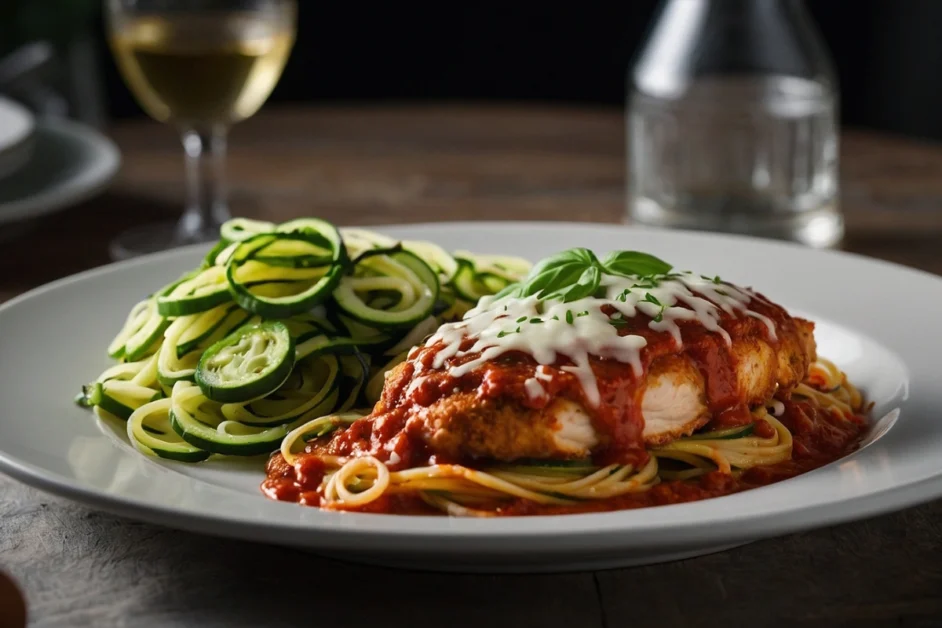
(534, 389)
(579, 329)
(543, 373)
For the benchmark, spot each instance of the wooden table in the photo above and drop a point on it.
(371, 166)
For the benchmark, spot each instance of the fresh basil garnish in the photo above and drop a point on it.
(553, 275)
(628, 263)
(577, 273)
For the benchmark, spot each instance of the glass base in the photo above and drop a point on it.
(151, 238)
(821, 227)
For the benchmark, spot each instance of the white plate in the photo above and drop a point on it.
(877, 321)
(70, 162)
(16, 134)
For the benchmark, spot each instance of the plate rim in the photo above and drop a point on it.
(19, 150)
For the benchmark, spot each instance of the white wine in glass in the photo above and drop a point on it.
(200, 65)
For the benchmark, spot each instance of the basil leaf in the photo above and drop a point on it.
(515, 290)
(585, 286)
(559, 271)
(630, 263)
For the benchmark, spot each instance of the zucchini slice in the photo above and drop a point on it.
(466, 283)
(150, 433)
(359, 240)
(201, 291)
(171, 366)
(435, 256)
(481, 275)
(395, 290)
(211, 326)
(249, 363)
(238, 229)
(146, 339)
(136, 319)
(118, 397)
(198, 421)
(509, 268)
(218, 255)
(273, 290)
(310, 391)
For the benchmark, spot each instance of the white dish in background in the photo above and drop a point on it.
(875, 320)
(17, 126)
(69, 163)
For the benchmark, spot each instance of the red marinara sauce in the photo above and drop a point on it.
(392, 432)
(820, 437)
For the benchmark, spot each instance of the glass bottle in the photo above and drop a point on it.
(733, 122)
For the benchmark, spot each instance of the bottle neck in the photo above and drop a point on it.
(699, 38)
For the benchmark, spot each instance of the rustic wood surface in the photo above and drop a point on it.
(373, 166)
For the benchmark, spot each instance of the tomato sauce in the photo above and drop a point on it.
(820, 437)
(395, 433)
(417, 384)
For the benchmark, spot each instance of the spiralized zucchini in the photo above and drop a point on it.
(353, 301)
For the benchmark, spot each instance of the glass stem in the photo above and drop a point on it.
(206, 204)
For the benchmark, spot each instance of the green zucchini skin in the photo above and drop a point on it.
(275, 328)
(735, 432)
(202, 437)
(279, 357)
(313, 232)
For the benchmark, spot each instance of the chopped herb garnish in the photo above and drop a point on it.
(660, 315)
(569, 318)
(722, 292)
(585, 313)
(555, 318)
(521, 319)
(650, 298)
(503, 333)
(536, 320)
(717, 279)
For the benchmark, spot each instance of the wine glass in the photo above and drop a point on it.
(201, 66)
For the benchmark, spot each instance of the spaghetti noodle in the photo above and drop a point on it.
(356, 482)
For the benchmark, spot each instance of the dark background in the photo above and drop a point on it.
(888, 54)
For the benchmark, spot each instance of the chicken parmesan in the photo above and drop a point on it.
(590, 385)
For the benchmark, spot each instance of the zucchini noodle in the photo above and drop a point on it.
(354, 482)
(353, 303)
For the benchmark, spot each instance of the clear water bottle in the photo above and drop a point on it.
(732, 122)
